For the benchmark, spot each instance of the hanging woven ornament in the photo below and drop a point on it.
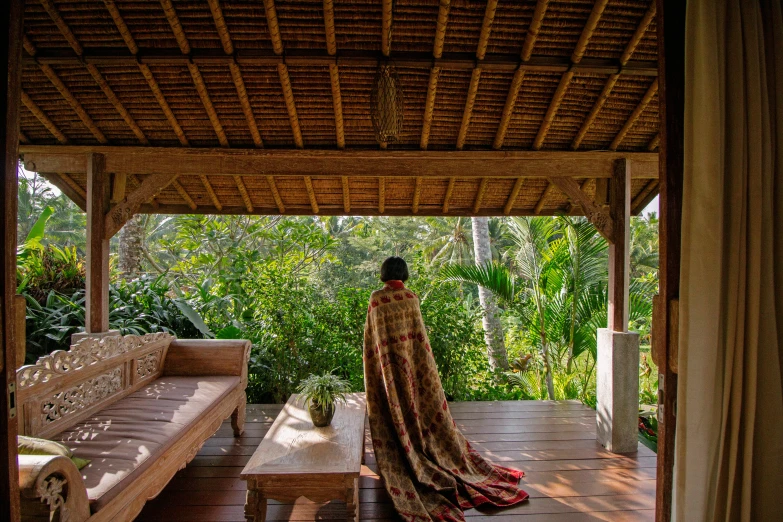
(386, 104)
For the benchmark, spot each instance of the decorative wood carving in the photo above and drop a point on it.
(81, 396)
(86, 352)
(148, 365)
(599, 217)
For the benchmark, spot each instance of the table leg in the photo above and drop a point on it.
(255, 507)
(352, 502)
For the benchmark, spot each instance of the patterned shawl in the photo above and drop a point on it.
(428, 467)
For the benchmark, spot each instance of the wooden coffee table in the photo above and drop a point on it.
(296, 459)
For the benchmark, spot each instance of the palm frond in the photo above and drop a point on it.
(494, 277)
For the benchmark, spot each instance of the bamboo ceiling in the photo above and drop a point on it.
(494, 81)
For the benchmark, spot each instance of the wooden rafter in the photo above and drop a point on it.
(641, 29)
(512, 198)
(74, 103)
(243, 192)
(486, 28)
(211, 192)
(137, 182)
(311, 194)
(596, 214)
(195, 74)
(648, 96)
(275, 194)
(386, 26)
(533, 29)
(416, 195)
(482, 190)
(542, 201)
(565, 79)
(644, 197)
(29, 46)
(23, 137)
(469, 102)
(236, 72)
(43, 118)
(346, 194)
(119, 214)
(571, 204)
(184, 195)
(508, 108)
(122, 27)
(654, 143)
(447, 197)
(429, 108)
(69, 187)
(91, 68)
(334, 73)
(381, 195)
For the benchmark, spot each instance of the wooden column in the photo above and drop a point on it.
(11, 14)
(619, 249)
(96, 317)
(671, 78)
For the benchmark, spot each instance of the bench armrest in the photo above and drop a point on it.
(56, 482)
(208, 357)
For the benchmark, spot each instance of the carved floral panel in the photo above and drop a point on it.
(148, 364)
(81, 396)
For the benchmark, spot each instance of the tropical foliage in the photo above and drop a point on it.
(297, 288)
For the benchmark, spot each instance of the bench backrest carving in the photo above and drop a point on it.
(63, 388)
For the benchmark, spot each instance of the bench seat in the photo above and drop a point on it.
(124, 439)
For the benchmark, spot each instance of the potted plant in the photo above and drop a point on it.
(320, 393)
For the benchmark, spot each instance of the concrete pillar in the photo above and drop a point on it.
(617, 390)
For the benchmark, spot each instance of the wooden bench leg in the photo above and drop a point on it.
(352, 502)
(255, 507)
(238, 417)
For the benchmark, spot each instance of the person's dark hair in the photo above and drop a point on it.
(394, 268)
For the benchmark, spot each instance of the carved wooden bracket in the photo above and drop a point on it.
(599, 217)
(125, 209)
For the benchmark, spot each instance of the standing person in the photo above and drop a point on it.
(429, 469)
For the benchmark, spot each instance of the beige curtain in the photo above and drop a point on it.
(729, 444)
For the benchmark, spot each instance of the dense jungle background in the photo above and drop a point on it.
(298, 288)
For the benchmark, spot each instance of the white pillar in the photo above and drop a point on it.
(617, 390)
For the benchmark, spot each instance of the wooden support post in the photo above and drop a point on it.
(619, 249)
(96, 316)
(11, 15)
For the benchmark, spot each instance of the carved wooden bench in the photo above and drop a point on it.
(138, 407)
(296, 459)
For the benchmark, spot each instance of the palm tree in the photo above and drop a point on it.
(448, 241)
(131, 248)
(493, 330)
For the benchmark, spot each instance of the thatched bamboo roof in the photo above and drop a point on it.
(483, 77)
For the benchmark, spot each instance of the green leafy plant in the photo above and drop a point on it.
(323, 391)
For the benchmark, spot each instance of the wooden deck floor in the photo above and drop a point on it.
(570, 477)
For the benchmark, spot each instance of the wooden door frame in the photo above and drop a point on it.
(11, 16)
(671, 78)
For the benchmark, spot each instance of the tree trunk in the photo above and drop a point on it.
(493, 331)
(131, 251)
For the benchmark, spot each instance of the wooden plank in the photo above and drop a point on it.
(351, 162)
(619, 247)
(11, 22)
(97, 289)
(670, 22)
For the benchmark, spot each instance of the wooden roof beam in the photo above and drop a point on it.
(542, 200)
(416, 196)
(236, 72)
(23, 137)
(637, 112)
(74, 103)
(311, 194)
(346, 194)
(381, 195)
(195, 74)
(641, 29)
(565, 80)
(43, 118)
(519, 74)
(275, 194)
(482, 190)
(334, 73)
(386, 26)
(119, 214)
(137, 182)
(486, 28)
(432, 86)
(50, 8)
(184, 195)
(468, 112)
(512, 198)
(447, 197)
(211, 192)
(69, 187)
(571, 204)
(597, 215)
(243, 192)
(654, 143)
(122, 27)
